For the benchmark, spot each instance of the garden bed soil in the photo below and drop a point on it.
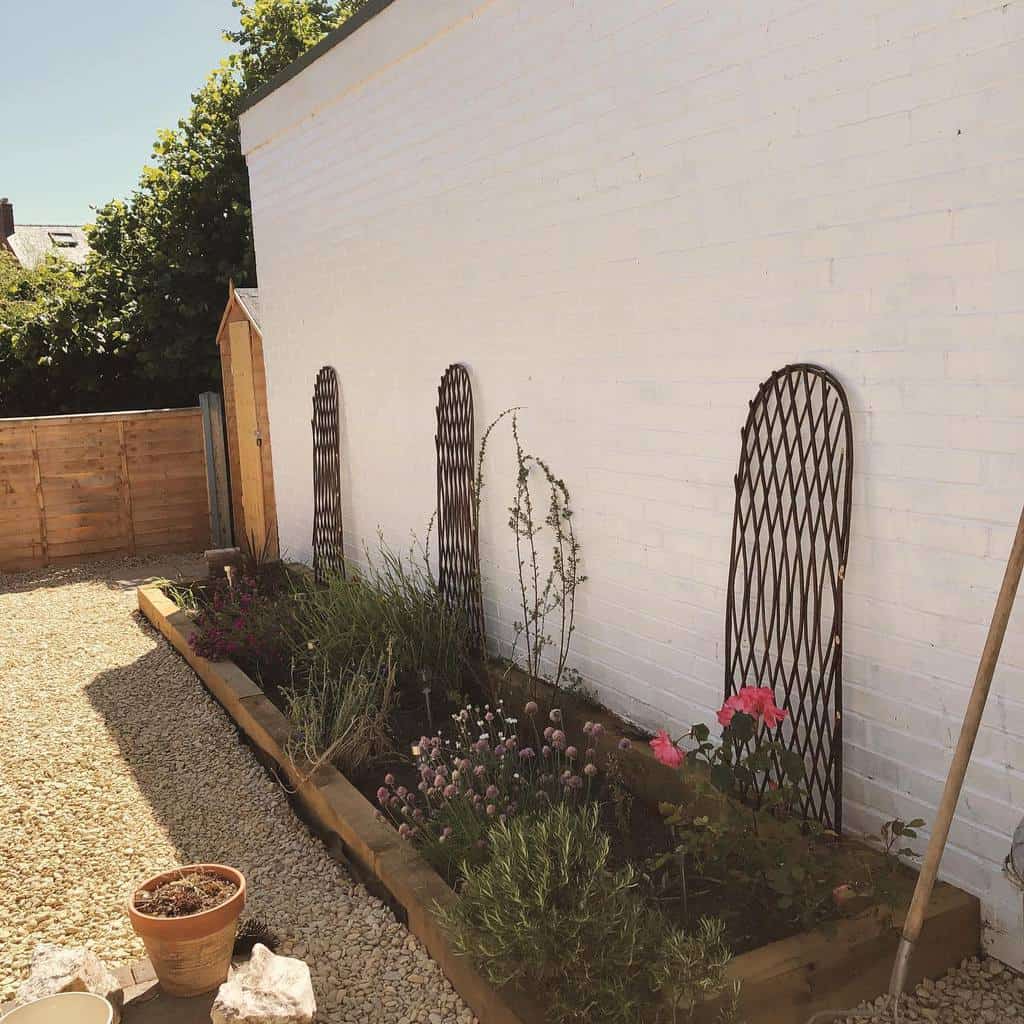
(839, 964)
(192, 892)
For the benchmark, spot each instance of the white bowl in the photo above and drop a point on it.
(65, 1008)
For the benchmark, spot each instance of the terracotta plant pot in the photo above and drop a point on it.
(191, 954)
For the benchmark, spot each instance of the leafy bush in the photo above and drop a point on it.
(394, 605)
(546, 910)
(344, 717)
(482, 775)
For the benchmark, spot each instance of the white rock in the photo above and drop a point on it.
(58, 969)
(269, 989)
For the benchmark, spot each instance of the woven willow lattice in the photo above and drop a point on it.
(458, 546)
(328, 537)
(790, 541)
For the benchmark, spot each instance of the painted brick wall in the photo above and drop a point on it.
(623, 216)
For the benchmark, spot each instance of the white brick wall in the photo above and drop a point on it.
(623, 216)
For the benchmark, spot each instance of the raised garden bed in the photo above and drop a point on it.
(828, 967)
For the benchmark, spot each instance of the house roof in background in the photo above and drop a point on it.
(369, 10)
(32, 243)
(249, 300)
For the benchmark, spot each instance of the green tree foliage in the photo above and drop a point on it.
(135, 326)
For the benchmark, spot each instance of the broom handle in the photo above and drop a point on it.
(958, 769)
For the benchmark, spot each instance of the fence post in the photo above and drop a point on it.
(216, 469)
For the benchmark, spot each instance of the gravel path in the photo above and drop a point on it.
(977, 992)
(115, 763)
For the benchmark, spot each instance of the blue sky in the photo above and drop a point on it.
(85, 88)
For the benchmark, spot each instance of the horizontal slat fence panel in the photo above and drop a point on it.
(111, 483)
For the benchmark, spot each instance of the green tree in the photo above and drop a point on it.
(136, 325)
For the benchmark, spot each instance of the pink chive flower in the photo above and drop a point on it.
(665, 751)
(531, 708)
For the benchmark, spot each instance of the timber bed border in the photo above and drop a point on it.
(833, 966)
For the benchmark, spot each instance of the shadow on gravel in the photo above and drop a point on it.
(156, 715)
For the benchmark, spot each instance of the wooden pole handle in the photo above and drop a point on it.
(965, 745)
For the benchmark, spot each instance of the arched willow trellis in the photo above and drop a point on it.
(790, 542)
(328, 536)
(457, 526)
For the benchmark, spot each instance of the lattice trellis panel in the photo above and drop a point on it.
(457, 527)
(328, 536)
(790, 542)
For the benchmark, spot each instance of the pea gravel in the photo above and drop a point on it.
(977, 992)
(115, 763)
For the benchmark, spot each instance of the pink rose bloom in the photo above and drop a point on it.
(665, 751)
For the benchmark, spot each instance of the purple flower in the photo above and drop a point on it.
(491, 810)
(571, 753)
(489, 717)
(590, 769)
(591, 754)
(480, 770)
(499, 750)
(597, 730)
(531, 707)
(389, 779)
(587, 727)
(450, 792)
(546, 750)
(624, 744)
(402, 792)
(491, 793)
(382, 794)
(549, 732)
(558, 739)
(526, 753)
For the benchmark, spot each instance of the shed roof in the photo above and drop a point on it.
(249, 300)
(370, 9)
(240, 300)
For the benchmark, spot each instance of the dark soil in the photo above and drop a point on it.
(191, 893)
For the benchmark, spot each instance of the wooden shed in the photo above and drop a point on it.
(247, 423)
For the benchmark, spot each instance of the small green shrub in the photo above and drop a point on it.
(344, 716)
(546, 910)
(394, 604)
(691, 969)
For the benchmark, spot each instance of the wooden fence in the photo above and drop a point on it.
(78, 486)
